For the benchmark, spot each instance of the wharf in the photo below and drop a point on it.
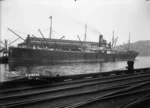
(116, 89)
(3, 60)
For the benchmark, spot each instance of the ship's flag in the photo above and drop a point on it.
(50, 17)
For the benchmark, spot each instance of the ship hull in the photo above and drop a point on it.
(61, 56)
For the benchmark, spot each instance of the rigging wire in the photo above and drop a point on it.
(53, 32)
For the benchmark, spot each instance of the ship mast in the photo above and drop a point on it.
(50, 27)
(129, 43)
(85, 34)
(112, 39)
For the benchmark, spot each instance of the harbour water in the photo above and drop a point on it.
(7, 72)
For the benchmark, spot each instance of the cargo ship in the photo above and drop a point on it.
(46, 50)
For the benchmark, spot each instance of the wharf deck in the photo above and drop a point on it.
(117, 89)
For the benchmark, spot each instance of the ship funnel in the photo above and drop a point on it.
(100, 40)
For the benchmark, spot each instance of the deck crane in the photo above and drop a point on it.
(5, 48)
(80, 40)
(44, 38)
(16, 34)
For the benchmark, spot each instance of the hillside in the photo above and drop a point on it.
(143, 47)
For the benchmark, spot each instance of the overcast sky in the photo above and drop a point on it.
(70, 17)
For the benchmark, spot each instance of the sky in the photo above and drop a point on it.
(69, 18)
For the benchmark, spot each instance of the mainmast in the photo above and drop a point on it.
(50, 27)
(85, 34)
(129, 43)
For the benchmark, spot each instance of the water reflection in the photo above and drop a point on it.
(6, 74)
(17, 70)
(66, 69)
